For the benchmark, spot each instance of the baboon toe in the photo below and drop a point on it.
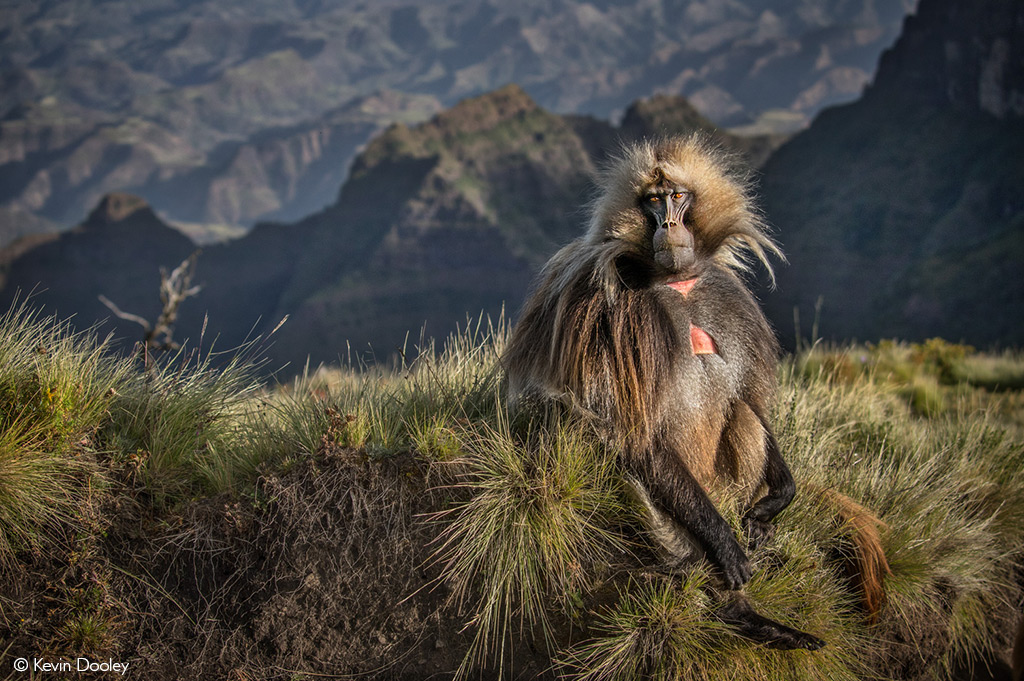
(740, 615)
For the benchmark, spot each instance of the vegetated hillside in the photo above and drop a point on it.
(217, 111)
(185, 522)
(903, 211)
(436, 222)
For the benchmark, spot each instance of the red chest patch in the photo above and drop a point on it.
(683, 287)
(701, 343)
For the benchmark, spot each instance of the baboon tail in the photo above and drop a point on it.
(867, 566)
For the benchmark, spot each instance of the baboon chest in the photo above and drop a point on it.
(702, 401)
(710, 363)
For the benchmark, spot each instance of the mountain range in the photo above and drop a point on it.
(900, 211)
(222, 113)
(447, 218)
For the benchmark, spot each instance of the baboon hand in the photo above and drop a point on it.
(733, 563)
(758, 532)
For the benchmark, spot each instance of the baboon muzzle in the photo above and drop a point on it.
(673, 241)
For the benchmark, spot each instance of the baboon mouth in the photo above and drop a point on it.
(675, 259)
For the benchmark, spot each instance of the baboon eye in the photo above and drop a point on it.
(677, 196)
(654, 198)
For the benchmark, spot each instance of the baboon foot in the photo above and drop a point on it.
(740, 615)
(758, 532)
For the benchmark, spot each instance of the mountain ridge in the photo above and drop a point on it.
(902, 210)
(147, 98)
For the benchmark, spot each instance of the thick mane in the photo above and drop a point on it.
(605, 346)
(731, 227)
(594, 333)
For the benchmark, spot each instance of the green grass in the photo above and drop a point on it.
(949, 488)
(533, 530)
(55, 389)
(181, 429)
(536, 541)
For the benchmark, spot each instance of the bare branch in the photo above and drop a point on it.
(127, 316)
(175, 288)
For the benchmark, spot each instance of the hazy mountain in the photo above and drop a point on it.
(436, 222)
(904, 210)
(223, 112)
(117, 252)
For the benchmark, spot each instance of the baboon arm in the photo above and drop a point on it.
(674, 489)
(781, 490)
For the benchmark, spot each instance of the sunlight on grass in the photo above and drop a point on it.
(536, 542)
(530, 532)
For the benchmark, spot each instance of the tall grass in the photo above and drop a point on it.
(950, 489)
(55, 389)
(946, 486)
(538, 543)
(177, 429)
(181, 426)
(533, 531)
(420, 405)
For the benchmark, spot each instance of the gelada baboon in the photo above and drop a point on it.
(644, 326)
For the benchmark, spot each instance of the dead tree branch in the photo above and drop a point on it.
(175, 288)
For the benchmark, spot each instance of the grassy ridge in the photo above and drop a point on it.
(107, 469)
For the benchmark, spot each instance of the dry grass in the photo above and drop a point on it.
(193, 500)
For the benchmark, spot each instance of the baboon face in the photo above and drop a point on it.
(664, 205)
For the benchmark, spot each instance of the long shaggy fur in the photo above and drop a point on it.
(732, 229)
(609, 333)
(591, 338)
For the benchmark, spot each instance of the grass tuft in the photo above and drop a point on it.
(657, 630)
(533, 526)
(179, 427)
(55, 389)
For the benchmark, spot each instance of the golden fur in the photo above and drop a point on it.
(604, 335)
(731, 227)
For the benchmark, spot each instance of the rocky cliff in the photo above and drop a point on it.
(903, 211)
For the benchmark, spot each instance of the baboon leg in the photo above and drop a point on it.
(781, 490)
(739, 614)
(675, 491)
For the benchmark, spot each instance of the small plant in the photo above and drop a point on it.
(87, 633)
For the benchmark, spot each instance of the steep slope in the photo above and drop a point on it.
(436, 222)
(903, 211)
(212, 110)
(450, 219)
